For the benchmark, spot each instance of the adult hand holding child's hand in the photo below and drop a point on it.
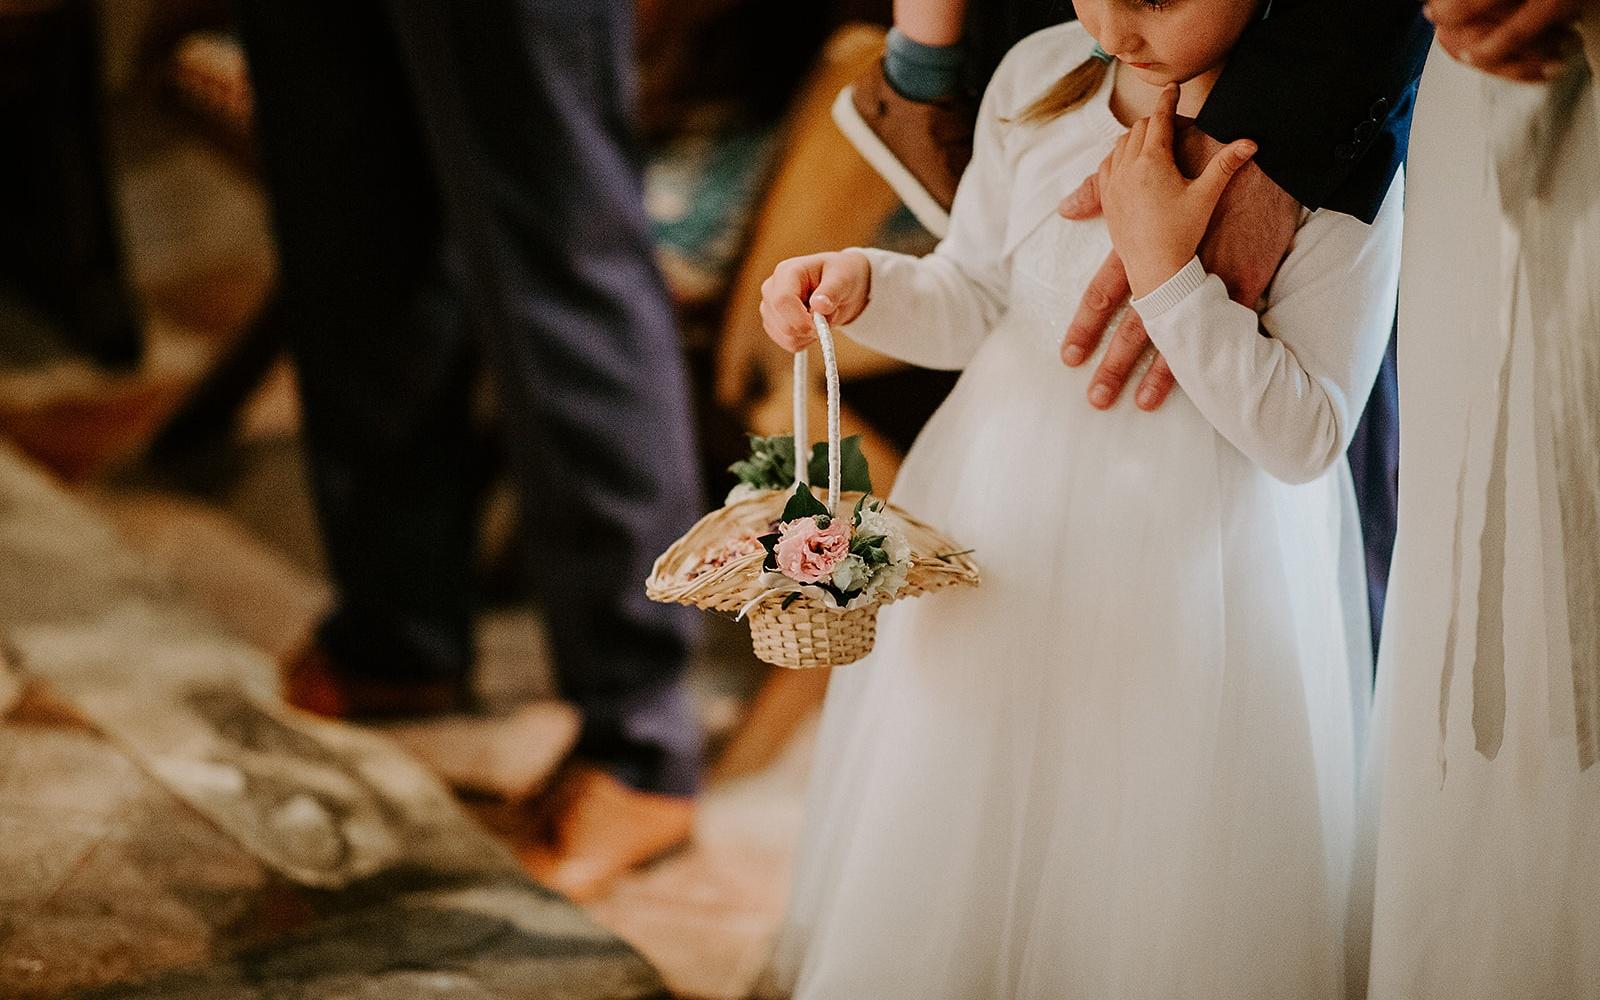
(1156, 215)
(833, 285)
(1249, 234)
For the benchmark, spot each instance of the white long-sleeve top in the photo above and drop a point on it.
(1286, 386)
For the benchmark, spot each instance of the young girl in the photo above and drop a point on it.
(1124, 766)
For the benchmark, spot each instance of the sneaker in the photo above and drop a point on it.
(920, 148)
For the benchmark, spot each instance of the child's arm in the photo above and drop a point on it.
(931, 311)
(1289, 401)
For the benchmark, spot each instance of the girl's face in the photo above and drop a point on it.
(1167, 41)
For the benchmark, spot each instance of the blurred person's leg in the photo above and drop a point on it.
(907, 114)
(60, 243)
(381, 347)
(933, 24)
(529, 111)
(911, 115)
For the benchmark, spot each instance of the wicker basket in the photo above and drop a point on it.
(716, 565)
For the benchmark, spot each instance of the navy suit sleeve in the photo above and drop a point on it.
(1325, 88)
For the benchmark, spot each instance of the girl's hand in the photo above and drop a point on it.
(835, 285)
(1156, 215)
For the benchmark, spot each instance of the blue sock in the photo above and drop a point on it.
(922, 72)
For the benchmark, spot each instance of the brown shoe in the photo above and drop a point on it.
(313, 681)
(920, 147)
(599, 829)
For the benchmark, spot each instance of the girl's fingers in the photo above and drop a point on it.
(791, 312)
(832, 292)
(1227, 162)
(1158, 139)
(783, 334)
(785, 319)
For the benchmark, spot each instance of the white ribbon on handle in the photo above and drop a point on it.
(830, 364)
(802, 437)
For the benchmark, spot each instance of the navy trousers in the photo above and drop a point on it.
(1375, 469)
(455, 190)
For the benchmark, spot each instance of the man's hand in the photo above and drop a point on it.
(1525, 40)
(1249, 235)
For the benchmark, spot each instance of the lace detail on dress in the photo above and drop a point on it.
(1049, 272)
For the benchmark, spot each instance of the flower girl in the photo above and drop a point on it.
(1124, 767)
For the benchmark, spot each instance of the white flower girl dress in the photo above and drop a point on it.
(1124, 766)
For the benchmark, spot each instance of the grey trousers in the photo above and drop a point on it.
(454, 190)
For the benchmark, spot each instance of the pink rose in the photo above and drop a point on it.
(809, 554)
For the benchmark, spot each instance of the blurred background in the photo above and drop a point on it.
(166, 827)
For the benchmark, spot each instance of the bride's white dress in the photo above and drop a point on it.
(1488, 747)
(1124, 766)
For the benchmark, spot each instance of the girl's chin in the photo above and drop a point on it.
(1154, 73)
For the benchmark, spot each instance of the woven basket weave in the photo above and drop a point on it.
(716, 565)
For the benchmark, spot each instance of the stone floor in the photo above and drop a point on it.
(134, 730)
(168, 829)
(705, 916)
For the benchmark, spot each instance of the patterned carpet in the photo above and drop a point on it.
(167, 830)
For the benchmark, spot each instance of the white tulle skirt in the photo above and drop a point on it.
(1124, 766)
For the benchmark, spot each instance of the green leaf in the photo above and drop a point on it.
(770, 465)
(853, 474)
(803, 504)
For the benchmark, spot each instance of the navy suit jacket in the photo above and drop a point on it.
(1325, 87)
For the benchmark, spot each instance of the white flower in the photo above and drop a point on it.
(851, 574)
(888, 580)
(880, 522)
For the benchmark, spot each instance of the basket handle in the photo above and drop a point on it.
(802, 435)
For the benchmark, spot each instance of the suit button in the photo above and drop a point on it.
(1365, 131)
(1380, 107)
(1344, 151)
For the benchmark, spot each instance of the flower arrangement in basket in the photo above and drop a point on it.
(809, 573)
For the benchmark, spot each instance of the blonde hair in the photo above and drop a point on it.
(1066, 94)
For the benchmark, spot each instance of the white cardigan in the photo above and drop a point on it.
(1289, 400)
